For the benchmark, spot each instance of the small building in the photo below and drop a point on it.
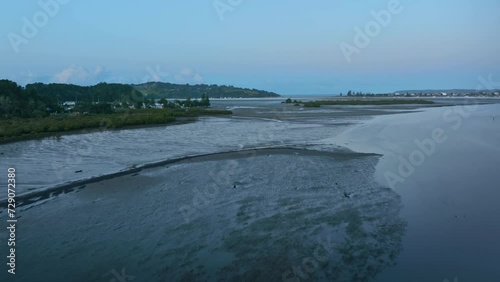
(157, 106)
(69, 105)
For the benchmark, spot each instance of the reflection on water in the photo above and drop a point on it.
(451, 199)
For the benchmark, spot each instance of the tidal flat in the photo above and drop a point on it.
(274, 193)
(253, 218)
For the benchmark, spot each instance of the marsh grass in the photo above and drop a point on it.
(54, 125)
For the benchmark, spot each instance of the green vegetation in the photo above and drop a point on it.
(188, 103)
(17, 102)
(289, 101)
(38, 110)
(317, 104)
(182, 91)
(27, 128)
(102, 92)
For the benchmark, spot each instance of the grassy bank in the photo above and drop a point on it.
(56, 125)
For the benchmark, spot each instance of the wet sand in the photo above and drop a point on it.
(262, 215)
(41, 194)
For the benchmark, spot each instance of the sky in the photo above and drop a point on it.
(291, 47)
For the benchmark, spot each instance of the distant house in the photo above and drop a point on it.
(69, 105)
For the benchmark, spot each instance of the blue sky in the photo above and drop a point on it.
(286, 46)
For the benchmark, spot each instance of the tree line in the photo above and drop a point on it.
(40, 100)
(177, 91)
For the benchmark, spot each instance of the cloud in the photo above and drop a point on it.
(155, 75)
(80, 75)
(27, 78)
(188, 75)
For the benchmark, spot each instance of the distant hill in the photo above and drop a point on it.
(159, 90)
(102, 92)
(40, 99)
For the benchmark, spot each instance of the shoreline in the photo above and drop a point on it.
(59, 134)
(345, 111)
(244, 114)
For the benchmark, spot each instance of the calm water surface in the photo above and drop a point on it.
(448, 191)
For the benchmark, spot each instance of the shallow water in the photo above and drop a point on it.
(450, 200)
(47, 162)
(267, 217)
